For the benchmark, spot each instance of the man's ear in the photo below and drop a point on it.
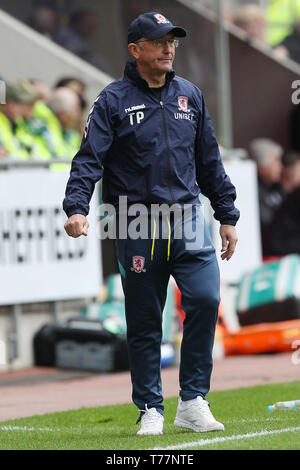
(134, 50)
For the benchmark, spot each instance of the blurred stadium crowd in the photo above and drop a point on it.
(40, 122)
(43, 122)
(69, 31)
(276, 25)
(278, 173)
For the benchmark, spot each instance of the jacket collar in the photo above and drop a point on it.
(133, 74)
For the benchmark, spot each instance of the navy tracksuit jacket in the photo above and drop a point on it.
(157, 151)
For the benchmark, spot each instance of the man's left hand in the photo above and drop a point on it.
(229, 240)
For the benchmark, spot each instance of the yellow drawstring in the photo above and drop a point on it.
(153, 240)
(169, 239)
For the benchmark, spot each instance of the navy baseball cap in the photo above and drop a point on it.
(153, 26)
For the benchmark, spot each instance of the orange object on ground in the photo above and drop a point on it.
(262, 338)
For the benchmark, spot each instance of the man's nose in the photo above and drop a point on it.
(168, 47)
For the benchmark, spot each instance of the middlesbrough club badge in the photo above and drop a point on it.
(161, 19)
(138, 263)
(183, 104)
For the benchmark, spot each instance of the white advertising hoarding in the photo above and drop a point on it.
(38, 261)
(248, 254)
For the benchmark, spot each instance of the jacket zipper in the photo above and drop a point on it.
(168, 149)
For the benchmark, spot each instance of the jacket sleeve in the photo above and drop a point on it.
(87, 165)
(210, 173)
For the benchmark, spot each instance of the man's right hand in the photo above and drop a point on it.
(76, 225)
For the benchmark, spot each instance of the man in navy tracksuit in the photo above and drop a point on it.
(150, 137)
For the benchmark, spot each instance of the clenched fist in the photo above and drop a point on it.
(76, 225)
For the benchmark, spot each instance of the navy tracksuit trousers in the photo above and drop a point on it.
(146, 266)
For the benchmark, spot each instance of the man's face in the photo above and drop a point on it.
(27, 110)
(71, 119)
(13, 110)
(271, 173)
(256, 29)
(291, 177)
(153, 57)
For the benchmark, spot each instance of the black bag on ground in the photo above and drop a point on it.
(82, 344)
(44, 346)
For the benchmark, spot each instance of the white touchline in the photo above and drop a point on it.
(205, 442)
(25, 428)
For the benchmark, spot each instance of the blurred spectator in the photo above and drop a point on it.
(290, 46)
(65, 104)
(15, 140)
(42, 88)
(251, 19)
(82, 26)
(291, 171)
(29, 127)
(61, 115)
(75, 84)
(284, 232)
(78, 87)
(281, 16)
(267, 155)
(32, 130)
(45, 19)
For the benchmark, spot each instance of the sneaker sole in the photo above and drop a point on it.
(149, 433)
(186, 424)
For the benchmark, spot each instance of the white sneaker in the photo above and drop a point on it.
(151, 423)
(196, 415)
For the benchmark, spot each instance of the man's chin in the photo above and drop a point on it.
(165, 66)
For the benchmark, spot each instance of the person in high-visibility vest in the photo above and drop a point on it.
(61, 115)
(14, 139)
(35, 131)
(53, 137)
(281, 16)
(9, 144)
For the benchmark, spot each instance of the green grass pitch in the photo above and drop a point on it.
(248, 425)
